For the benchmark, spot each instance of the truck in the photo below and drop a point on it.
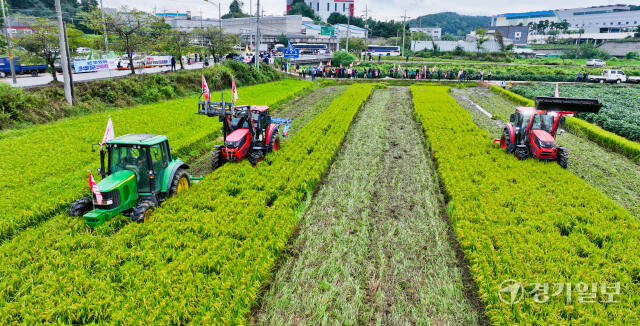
(613, 76)
(5, 68)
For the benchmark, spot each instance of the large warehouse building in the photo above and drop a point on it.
(600, 19)
(324, 8)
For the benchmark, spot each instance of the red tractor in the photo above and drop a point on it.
(248, 131)
(531, 131)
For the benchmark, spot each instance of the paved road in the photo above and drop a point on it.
(27, 81)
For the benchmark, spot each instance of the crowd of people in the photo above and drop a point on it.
(396, 72)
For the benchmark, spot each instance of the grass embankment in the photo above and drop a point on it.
(611, 173)
(23, 108)
(204, 257)
(373, 247)
(531, 222)
(44, 168)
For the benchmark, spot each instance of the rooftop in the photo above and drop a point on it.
(138, 139)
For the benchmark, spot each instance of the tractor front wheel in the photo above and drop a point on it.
(180, 182)
(142, 211)
(562, 157)
(255, 157)
(216, 159)
(506, 142)
(522, 153)
(80, 206)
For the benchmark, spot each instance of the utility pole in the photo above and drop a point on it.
(348, 29)
(11, 63)
(104, 28)
(66, 41)
(366, 24)
(404, 24)
(257, 57)
(64, 60)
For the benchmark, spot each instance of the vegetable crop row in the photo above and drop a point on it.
(531, 222)
(44, 168)
(202, 259)
(630, 149)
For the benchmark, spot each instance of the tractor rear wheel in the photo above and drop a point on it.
(216, 159)
(180, 182)
(142, 211)
(522, 153)
(562, 157)
(255, 157)
(80, 206)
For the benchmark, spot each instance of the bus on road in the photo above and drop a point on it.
(306, 48)
(386, 50)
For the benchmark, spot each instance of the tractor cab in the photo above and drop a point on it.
(138, 173)
(531, 131)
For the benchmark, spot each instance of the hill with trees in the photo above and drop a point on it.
(451, 22)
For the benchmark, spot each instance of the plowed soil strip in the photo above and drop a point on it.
(612, 173)
(373, 246)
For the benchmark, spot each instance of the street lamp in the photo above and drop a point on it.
(219, 19)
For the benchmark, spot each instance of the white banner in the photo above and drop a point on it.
(157, 61)
(90, 65)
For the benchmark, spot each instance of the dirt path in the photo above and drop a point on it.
(300, 110)
(373, 246)
(613, 174)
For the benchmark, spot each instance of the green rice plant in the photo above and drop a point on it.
(531, 222)
(203, 258)
(610, 140)
(44, 168)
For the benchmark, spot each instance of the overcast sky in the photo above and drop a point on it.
(379, 9)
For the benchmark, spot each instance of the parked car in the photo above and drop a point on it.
(613, 76)
(596, 63)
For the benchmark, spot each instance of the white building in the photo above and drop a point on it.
(601, 19)
(434, 32)
(353, 31)
(324, 8)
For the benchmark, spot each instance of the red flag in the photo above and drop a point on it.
(557, 91)
(108, 133)
(94, 189)
(234, 90)
(205, 89)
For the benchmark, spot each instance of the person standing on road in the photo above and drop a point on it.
(489, 76)
(173, 63)
(482, 75)
(504, 84)
(379, 57)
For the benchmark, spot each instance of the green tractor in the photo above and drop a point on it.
(140, 174)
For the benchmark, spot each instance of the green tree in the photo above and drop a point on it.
(132, 29)
(282, 39)
(217, 42)
(356, 45)
(235, 10)
(43, 42)
(481, 38)
(177, 43)
(299, 7)
(343, 58)
(420, 36)
(500, 39)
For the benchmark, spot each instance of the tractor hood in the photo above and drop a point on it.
(543, 136)
(115, 180)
